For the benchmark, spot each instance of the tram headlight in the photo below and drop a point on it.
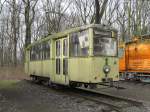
(106, 69)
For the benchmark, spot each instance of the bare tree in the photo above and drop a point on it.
(43, 17)
(2, 45)
(1, 5)
(29, 15)
(55, 13)
(14, 31)
(85, 10)
(99, 13)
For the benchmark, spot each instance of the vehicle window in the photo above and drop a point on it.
(58, 48)
(40, 52)
(65, 47)
(32, 54)
(104, 44)
(79, 44)
(44, 53)
(37, 52)
(58, 63)
(47, 51)
(58, 66)
(65, 66)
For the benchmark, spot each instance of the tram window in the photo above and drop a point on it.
(44, 53)
(57, 66)
(104, 44)
(36, 52)
(32, 54)
(65, 47)
(74, 45)
(65, 66)
(58, 48)
(47, 50)
(40, 52)
(79, 44)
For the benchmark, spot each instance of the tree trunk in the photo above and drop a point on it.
(14, 17)
(27, 22)
(97, 14)
(29, 19)
(2, 50)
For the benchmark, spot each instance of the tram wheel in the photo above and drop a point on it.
(86, 85)
(33, 78)
(50, 84)
(73, 85)
(92, 86)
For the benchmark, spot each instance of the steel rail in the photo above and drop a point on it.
(99, 97)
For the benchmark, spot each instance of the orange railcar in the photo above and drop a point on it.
(136, 58)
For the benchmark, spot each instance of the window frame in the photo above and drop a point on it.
(40, 51)
(79, 49)
(111, 36)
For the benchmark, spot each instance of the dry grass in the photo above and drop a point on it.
(12, 73)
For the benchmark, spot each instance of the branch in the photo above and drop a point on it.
(2, 6)
(102, 10)
(33, 10)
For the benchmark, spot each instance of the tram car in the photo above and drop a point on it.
(135, 63)
(81, 56)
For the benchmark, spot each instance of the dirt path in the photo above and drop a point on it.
(20, 96)
(17, 95)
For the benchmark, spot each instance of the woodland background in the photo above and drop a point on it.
(25, 21)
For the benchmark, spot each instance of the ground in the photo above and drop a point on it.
(134, 90)
(22, 96)
(17, 95)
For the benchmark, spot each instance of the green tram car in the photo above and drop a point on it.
(85, 55)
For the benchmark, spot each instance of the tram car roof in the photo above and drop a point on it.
(71, 30)
(145, 38)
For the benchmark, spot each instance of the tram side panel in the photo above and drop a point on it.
(47, 68)
(79, 69)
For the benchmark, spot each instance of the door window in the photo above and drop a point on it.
(65, 47)
(79, 44)
(58, 66)
(65, 66)
(58, 48)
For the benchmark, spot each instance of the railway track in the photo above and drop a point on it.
(134, 81)
(114, 103)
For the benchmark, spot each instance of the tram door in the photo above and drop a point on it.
(61, 61)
